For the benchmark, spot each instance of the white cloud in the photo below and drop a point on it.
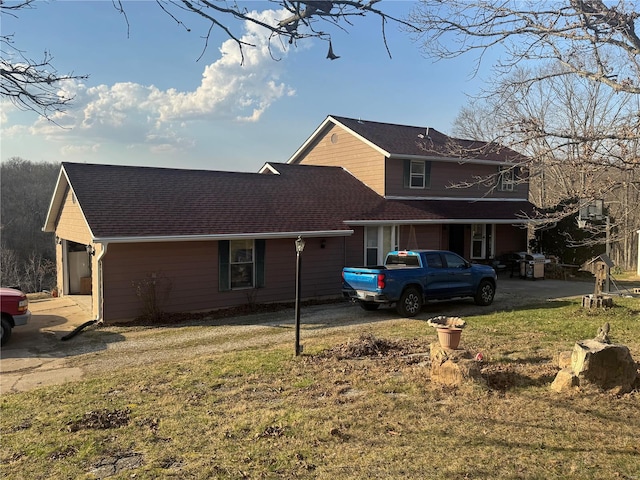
(234, 88)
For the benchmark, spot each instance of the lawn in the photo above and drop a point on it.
(357, 407)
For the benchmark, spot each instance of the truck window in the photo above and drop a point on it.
(434, 260)
(404, 260)
(455, 261)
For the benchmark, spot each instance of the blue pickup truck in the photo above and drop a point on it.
(409, 278)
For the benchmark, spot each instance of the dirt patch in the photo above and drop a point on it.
(100, 420)
(390, 354)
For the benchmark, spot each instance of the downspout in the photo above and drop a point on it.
(100, 317)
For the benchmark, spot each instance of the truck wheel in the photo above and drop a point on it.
(410, 303)
(6, 331)
(369, 306)
(486, 292)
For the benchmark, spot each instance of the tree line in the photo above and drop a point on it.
(27, 254)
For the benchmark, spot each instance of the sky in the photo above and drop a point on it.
(159, 95)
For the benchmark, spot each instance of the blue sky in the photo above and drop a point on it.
(151, 101)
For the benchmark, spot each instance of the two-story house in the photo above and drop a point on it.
(469, 197)
(196, 240)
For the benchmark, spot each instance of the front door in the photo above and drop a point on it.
(456, 239)
(482, 241)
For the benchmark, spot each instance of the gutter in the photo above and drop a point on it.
(201, 238)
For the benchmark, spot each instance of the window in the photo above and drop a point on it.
(434, 260)
(482, 241)
(454, 261)
(241, 264)
(506, 179)
(379, 241)
(417, 174)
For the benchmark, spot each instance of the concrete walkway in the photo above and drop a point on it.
(35, 356)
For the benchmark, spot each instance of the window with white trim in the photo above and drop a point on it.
(241, 264)
(417, 174)
(506, 179)
(380, 240)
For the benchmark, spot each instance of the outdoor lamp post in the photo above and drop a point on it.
(299, 249)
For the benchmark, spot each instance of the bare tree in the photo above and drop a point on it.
(30, 84)
(590, 38)
(567, 94)
(34, 84)
(561, 125)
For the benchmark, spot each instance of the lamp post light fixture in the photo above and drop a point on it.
(299, 249)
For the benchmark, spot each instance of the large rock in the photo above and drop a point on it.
(603, 365)
(453, 367)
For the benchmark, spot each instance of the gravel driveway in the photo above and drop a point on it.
(36, 356)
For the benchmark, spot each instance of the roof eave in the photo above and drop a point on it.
(56, 202)
(461, 161)
(447, 221)
(321, 128)
(216, 237)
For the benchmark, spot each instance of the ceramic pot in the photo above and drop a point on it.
(449, 337)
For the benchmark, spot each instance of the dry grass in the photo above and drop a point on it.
(359, 407)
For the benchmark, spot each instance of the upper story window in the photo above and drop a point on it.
(417, 174)
(506, 179)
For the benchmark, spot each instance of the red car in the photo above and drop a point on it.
(15, 310)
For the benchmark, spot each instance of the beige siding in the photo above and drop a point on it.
(191, 269)
(71, 224)
(349, 152)
(445, 176)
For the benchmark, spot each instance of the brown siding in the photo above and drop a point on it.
(510, 238)
(421, 237)
(349, 152)
(71, 224)
(444, 175)
(192, 269)
(354, 246)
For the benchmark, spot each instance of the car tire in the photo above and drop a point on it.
(410, 303)
(369, 306)
(485, 293)
(6, 331)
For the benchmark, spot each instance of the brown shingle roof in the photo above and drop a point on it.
(448, 211)
(403, 140)
(124, 201)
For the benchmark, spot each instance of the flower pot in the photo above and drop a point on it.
(449, 337)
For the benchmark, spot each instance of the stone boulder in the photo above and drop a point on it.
(597, 364)
(453, 367)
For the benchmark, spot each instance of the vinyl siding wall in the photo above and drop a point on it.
(510, 238)
(421, 237)
(71, 224)
(446, 174)
(191, 269)
(347, 151)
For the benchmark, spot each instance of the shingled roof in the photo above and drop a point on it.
(124, 201)
(415, 141)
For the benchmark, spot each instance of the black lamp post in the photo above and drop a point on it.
(299, 249)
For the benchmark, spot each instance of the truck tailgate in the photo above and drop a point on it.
(361, 279)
